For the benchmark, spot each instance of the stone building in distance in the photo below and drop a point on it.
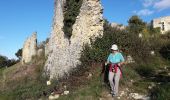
(163, 23)
(118, 26)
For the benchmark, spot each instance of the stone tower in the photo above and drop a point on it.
(29, 49)
(64, 53)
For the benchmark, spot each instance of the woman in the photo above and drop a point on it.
(115, 59)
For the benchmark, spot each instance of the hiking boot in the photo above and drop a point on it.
(113, 95)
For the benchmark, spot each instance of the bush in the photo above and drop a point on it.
(146, 70)
(129, 73)
(19, 54)
(136, 25)
(165, 51)
(165, 46)
(129, 44)
(161, 92)
(5, 62)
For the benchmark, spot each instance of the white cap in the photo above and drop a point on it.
(114, 47)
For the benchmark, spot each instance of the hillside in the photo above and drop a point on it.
(148, 76)
(22, 82)
(70, 64)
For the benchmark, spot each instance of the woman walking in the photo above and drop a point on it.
(115, 60)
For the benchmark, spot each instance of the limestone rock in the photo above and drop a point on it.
(66, 92)
(64, 53)
(47, 48)
(122, 93)
(152, 52)
(29, 48)
(39, 52)
(48, 82)
(129, 59)
(137, 96)
(89, 75)
(54, 97)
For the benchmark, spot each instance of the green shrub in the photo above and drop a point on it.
(165, 46)
(128, 74)
(136, 24)
(71, 12)
(146, 70)
(5, 62)
(165, 51)
(128, 42)
(161, 92)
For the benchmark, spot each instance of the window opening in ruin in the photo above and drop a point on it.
(163, 26)
(71, 11)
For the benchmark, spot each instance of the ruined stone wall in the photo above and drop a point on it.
(46, 49)
(64, 53)
(29, 49)
(118, 26)
(89, 24)
(163, 23)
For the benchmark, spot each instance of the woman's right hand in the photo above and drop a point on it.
(105, 63)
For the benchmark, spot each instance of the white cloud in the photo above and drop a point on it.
(134, 12)
(155, 5)
(162, 4)
(147, 3)
(145, 12)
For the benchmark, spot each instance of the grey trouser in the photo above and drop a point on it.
(114, 81)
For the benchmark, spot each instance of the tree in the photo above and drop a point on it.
(136, 25)
(3, 61)
(11, 62)
(19, 54)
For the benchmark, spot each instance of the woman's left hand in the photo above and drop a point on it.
(119, 64)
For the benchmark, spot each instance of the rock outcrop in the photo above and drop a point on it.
(64, 53)
(29, 49)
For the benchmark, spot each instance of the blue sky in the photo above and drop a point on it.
(19, 18)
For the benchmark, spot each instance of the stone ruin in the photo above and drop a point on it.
(63, 53)
(29, 49)
(163, 23)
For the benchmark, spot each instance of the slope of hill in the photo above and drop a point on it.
(23, 82)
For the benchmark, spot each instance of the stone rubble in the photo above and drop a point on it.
(137, 96)
(54, 97)
(66, 92)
